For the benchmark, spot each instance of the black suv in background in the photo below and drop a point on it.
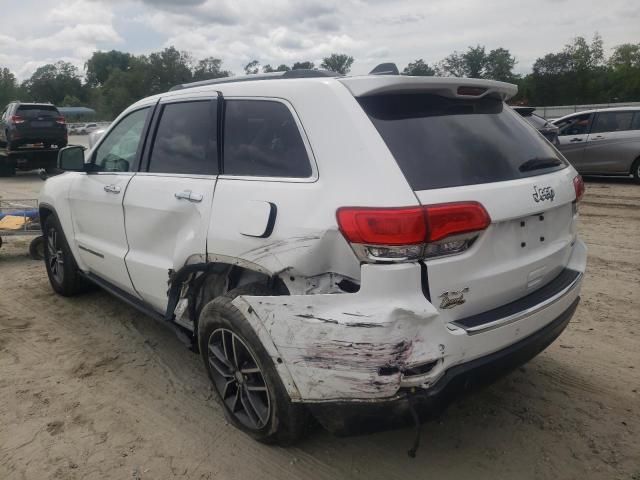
(546, 128)
(30, 136)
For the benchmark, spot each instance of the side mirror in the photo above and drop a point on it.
(71, 159)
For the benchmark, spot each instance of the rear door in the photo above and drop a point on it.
(572, 135)
(612, 144)
(168, 204)
(457, 150)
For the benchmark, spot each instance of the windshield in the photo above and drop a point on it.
(442, 142)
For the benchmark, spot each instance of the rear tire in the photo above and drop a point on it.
(635, 170)
(247, 383)
(36, 248)
(62, 269)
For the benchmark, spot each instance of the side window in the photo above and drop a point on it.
(186, 139)
(635, 125)
(262, 139)
(117, 152)
(612, 122)
(577, 125)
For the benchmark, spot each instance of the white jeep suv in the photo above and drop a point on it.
(361, 249)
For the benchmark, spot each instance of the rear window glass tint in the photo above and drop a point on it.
(261, 138)
(636, 121)
(441, 142)
(186, 139)
(35, 111)
(612, 122)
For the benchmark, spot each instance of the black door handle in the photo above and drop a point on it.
(575, 140)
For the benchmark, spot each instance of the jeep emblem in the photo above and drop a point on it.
(542, 194)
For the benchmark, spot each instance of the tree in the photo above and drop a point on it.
(70, 101)
(453, 65)
(303, 66)
(9, 89)
(337, 62)
(165, 69)
(626, 55)
(280, 68)
(419, 68)
(252, 67)
(100, 65)
(475, 62)
(499, 65)
(209, 68)
(52, 82)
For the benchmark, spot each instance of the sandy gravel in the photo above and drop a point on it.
(90, 389)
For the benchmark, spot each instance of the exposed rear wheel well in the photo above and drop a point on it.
(213, 280)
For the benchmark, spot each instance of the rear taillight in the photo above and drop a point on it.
(411, 233)
(578, 185)
(17, 119)
(60, 120)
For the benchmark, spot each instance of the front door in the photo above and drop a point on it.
(167, 205)
(96, 201)
(572, 135)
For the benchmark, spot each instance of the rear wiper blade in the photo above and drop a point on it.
(539, 163)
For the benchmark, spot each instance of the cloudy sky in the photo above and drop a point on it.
(36, 32)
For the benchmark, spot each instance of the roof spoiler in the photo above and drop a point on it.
(452, 87)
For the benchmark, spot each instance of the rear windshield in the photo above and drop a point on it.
(441, 142)
(35, 111)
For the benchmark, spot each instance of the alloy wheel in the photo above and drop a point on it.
(239, 379)
(55, 259)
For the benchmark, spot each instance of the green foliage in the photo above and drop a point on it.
(419, 68)
(9, 88)
(498, 64)
(52, 82)
(252, 67)
(280, 68)
(303, 66)
(209, 68)
(337, 62)
(101, 64)
(577, 74)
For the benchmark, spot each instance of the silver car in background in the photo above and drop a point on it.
(602, 142)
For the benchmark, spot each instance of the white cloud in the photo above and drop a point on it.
(285, 31)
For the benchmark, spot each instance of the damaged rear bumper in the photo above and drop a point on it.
(373, 345)
(349, 418)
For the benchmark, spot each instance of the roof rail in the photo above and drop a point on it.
(298, 73)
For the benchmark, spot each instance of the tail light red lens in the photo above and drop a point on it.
(60, 120)
(407, 233)
(448, 219)
(17, 119)
(578, 185)
(383, 226)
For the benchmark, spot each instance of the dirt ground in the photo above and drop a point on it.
(91, 389)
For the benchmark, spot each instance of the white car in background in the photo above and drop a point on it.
(88, 128)
(356, 248)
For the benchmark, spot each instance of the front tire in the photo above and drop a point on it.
(62, 269)
(243, 374)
